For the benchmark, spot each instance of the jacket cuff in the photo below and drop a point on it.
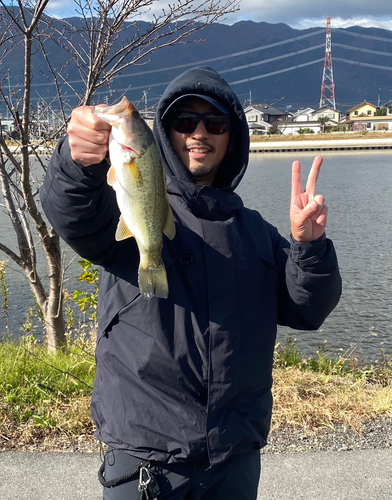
(306, 253)
(97, 171)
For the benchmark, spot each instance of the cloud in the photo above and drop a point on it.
(308, 13)
(300, 14)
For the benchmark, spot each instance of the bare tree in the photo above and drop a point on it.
(93, 47)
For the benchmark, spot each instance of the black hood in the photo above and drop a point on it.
(204, 81)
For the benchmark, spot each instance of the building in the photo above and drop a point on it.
(332, 114)
(366, 123)
(309, 119)
(260, 117)
(365, 109)
(303, 115)
(7, 125)
(364, 117)
(388, 106)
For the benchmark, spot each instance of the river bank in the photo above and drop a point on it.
(321, 142)
(320, 403)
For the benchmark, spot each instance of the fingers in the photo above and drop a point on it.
(296, 179)
(320, 200)
(88, 136)
(315, 210)
(313, 176)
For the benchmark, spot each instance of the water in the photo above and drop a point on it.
(358, 192)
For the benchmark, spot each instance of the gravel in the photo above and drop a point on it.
(376, 434)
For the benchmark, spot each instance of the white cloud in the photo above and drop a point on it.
(309, 13)
(300, 14)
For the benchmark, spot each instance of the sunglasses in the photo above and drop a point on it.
(187, 121)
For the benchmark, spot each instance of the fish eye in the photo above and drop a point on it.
(135, 114)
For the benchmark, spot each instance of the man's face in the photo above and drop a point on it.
(200, 151)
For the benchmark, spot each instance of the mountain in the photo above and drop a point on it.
(239, 52)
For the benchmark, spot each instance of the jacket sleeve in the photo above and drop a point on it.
(80, 205)
(310, 282)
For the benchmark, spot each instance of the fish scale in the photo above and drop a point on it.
(137, 176)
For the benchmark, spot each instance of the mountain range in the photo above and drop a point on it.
(264, 63)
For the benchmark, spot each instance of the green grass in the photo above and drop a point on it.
(45, 398)
(44, 395)
(327, 363)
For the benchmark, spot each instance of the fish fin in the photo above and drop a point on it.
(111, 176)
(135, 172)
(170, 227)
(112, 119)
(153, 281)
(123, 232)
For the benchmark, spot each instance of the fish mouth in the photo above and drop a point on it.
(128, 149)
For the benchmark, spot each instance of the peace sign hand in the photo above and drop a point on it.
(308, 213)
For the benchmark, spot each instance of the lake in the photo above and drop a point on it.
(358, 191)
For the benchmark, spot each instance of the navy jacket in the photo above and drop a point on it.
(188, 378)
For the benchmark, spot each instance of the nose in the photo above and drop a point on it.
(200, 130)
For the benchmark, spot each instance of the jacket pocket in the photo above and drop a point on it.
(113, 301)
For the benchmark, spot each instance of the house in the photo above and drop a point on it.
(303, 115)
(309, 119)
(376, 123)
(261, 116)
(365, 109)
(332, 114)
(364, 117)
(293, 128)
(388, 106)
(7, 125)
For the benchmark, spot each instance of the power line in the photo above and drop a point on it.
(205, 61)
(264, 61)
(291, 68)
(361, 35)
(237, 82)
(377, 66)
(359, 49)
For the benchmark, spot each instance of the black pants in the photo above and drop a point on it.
(235, 479)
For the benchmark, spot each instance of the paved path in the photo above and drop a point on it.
(348, 475)
(319, 145)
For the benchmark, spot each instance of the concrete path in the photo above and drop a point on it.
(347, 475)
(319, 145)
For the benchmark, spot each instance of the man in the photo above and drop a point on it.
(185, 382)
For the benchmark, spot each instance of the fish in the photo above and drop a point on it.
(137, 176)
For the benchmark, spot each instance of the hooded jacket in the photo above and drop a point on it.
(188, 378)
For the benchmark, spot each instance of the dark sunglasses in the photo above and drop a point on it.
(187, 121)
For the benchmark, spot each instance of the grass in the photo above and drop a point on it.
(330, 136)
(327, 390)
(45, 398)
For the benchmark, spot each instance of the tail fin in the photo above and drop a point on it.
(153, 281)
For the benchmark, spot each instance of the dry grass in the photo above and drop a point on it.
(308, 400)
(333, 136)
(64, 427)
(45, 405)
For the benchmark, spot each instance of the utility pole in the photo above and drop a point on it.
(145, 100)
(327, 84)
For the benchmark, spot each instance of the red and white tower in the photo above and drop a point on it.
(327, 85)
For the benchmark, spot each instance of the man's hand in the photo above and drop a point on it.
(308, 213)
(88, 136)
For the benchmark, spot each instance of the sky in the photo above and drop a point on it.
(300, 14)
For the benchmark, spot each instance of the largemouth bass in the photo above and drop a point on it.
(137, 176)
